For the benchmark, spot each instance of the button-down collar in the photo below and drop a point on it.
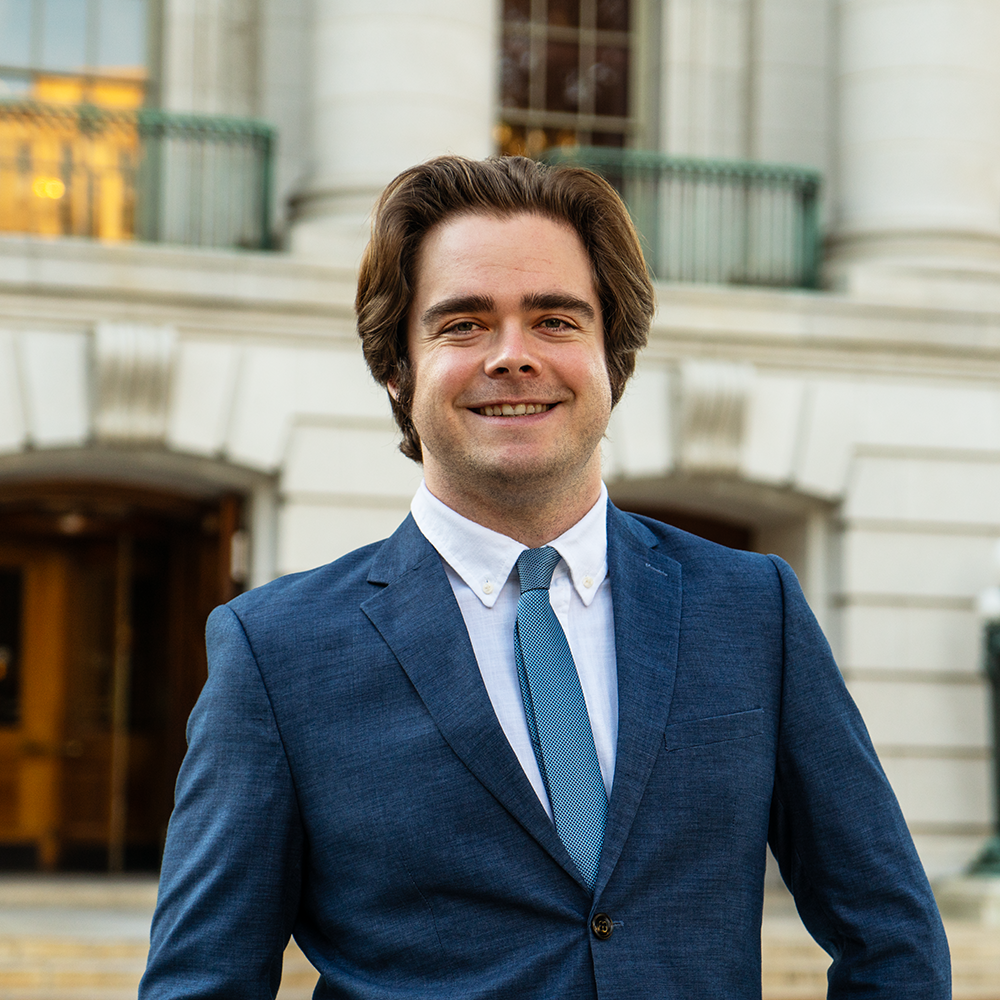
(484, 558)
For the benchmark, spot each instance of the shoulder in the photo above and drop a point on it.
(714, 580)
(303, 590)
(332, 593)
(694, 554)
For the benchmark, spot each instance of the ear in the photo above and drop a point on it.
(393, 386)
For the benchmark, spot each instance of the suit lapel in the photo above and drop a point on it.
(418, 617)
(646, 593)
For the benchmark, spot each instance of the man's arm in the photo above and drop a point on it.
(229, 887)
(839, 836)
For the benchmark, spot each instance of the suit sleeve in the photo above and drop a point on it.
(839, 836)
(229, 886)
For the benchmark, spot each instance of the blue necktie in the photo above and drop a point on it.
(557, 716)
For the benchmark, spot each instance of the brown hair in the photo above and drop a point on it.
(425, 195)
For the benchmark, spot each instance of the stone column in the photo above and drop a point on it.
(705, 51)
(210, 56)
(919, 145)
(395, 82)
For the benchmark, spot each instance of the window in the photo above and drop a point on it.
(74, 51)
(66, 169)
(564, 74)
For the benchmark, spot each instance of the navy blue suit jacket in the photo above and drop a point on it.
(347, 781)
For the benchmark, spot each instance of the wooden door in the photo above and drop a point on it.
(103, 600)
(34, 598)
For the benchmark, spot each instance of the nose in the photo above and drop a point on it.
(512, 353)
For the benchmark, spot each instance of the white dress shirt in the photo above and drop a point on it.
(479, 562)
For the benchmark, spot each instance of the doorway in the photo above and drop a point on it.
(104, 592)
(733, 534)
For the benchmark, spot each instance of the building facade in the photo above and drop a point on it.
(184, 409)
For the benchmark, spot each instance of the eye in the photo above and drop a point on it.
(556, 323)
(463, 326)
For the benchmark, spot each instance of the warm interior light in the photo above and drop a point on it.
(77, 170)
(48, 187)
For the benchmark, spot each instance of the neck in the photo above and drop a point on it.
(529, 516)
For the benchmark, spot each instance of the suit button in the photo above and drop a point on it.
(602, 926)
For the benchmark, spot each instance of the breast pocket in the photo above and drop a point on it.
(715, 729)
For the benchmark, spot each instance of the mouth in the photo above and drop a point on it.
(512, 409)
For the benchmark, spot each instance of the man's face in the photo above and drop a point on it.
(507, 350)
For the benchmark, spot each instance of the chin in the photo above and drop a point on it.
(523, 472)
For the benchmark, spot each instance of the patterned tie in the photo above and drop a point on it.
(557, 716)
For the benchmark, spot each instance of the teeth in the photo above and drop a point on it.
(512, 410)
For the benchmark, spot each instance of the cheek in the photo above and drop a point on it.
(599, 380)
(439, 379)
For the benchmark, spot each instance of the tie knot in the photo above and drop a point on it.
(536, 566)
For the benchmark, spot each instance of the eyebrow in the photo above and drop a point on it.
(486, 303)
(559, 300)
(458, 304)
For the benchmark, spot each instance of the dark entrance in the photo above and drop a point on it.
(730, 533)
(104, 592)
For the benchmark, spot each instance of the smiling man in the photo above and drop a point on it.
(529, 746)
(511, 394)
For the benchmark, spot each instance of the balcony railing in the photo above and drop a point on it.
(724, 222)
(80, 170)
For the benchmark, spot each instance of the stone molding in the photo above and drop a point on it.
(713, 399)
(132, 367)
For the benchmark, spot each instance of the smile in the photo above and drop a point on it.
(513, 409)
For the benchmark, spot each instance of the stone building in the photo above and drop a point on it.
(184, 189)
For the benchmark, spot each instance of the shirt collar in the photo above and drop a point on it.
(484, 558)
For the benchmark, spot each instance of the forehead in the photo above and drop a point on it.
(477, 249)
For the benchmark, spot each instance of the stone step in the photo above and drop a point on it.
(79, 892)
(56, 950)
(86, 939)
(794, 966)
(70, 937)
(73, 993)
(93, 972)
(298, 978)
(60, 969)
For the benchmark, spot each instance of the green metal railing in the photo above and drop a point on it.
(79, 170)
(719, 221)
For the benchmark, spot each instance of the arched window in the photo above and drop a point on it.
(565, 68)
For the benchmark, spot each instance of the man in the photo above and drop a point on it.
(529, 746)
